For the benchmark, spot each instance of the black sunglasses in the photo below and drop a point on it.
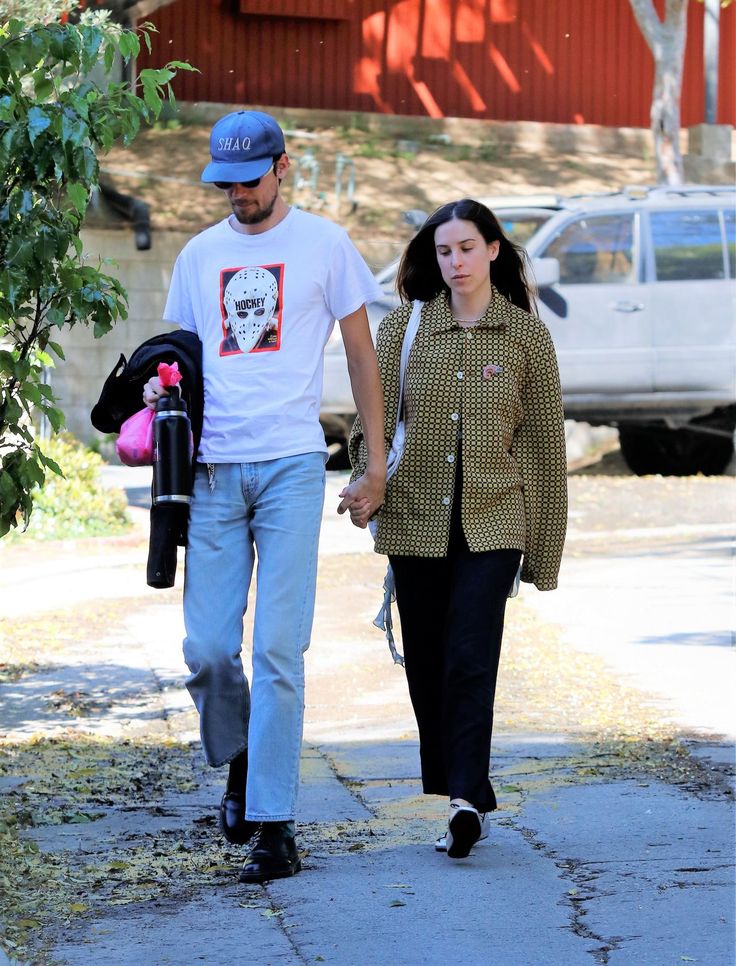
(225, 185)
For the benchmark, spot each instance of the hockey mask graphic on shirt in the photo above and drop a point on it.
(250, 302)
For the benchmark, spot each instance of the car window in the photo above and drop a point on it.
(520, 227)
(729, 220)
(687, 245)
(595, 251)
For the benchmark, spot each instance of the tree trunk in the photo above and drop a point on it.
(666, 40)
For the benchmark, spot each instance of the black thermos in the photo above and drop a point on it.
(172, 458)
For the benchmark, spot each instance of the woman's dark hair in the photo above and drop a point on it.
(419, 275)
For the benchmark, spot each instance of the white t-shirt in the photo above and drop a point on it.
(263, 307)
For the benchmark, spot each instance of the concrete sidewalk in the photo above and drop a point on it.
(579, 868)
(602, 852)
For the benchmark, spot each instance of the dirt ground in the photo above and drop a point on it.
(163, 167)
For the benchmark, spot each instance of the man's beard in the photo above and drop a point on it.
(255, 216)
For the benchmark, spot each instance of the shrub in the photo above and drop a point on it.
(77, 504)
(55, 119)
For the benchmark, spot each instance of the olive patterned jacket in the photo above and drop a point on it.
(495, 389)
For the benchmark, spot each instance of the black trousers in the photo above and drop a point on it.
(452, 612)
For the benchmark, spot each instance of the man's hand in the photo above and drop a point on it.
(363, 497)
(153, 391)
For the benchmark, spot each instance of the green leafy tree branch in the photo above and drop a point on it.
(55, 120)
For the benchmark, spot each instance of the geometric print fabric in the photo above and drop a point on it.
(493, 390)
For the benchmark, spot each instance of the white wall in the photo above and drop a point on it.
(145, 275)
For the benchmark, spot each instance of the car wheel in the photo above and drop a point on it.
(673, 452)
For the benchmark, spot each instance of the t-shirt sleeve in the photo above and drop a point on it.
(349, 282)
(179, 306)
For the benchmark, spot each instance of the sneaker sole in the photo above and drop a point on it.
(441, 844)
(465, 829)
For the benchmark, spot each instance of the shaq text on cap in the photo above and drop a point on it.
(243, 145)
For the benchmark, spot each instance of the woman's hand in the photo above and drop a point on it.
(360, 513)
(363, 497)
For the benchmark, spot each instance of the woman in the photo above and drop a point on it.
(482, 481)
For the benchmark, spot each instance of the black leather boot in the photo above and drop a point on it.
(274, 854)
(233, 823)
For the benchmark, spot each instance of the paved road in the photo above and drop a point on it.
(663, 618)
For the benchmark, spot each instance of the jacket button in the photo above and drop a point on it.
(446, 500)
(450, 458)
(460, 375)
(454, 417)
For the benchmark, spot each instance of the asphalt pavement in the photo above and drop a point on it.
(594, 857)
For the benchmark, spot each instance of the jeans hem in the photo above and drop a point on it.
(250, 817)
(226, 761)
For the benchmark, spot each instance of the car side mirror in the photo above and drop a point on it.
(546, 271)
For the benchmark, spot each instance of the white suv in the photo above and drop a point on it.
(638, 290)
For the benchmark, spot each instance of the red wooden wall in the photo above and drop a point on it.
(565, 61)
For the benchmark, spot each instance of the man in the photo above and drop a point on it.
(262, 289)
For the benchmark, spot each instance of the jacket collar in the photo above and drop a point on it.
(497, 315)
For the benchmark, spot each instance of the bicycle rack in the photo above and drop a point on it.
(306, 175)
(344, 164)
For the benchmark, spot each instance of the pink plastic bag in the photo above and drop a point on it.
(134, 445)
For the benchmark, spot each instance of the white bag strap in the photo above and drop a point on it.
(384, 618)
(409, 336)
(397, 444)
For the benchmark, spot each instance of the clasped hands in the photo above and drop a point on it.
(363, 497)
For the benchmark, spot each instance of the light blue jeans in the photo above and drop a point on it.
(272, 510)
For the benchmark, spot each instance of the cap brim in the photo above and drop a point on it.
(243, 171)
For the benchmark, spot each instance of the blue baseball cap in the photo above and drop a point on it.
(243, 145)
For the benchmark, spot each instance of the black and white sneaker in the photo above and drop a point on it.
(466, 826)
(440, 844)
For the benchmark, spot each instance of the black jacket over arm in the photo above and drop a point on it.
(122, 396)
